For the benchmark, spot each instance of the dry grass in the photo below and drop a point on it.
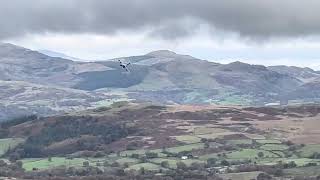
(302, 130)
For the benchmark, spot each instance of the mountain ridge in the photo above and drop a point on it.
(162, 76)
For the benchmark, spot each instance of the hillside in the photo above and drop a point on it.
(167, 141)
(20, 98)
(149, 126)
(160, 76)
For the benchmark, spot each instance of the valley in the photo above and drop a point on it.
(159, 90)
(147, 139)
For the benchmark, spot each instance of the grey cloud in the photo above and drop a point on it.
(166, 18)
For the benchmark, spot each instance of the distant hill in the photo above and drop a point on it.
(160, 76)
(58, 54)
(20, 98)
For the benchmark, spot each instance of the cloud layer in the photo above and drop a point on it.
(168, 19)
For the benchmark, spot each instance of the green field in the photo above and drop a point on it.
(189, 139)
(208, 130)
(231, 99)
(268, 141)
(240, 141)
(299, 161)
(29, 164)
(176, 149)
(130, 161)
(274, 147)
(215, 135)
(172, 162)
(188, 147)
(44, 163)
(244, 154)
(254, 136)
(308, 150)
(249, 154)
(208, 156)
(139, 151)
(146, 166)
(6, 144)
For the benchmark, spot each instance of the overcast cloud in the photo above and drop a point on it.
(169, 19)
(265, 32)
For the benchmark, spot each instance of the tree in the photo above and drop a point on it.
(86, 164)
(142, 170)
(263, 176)
(278, 172)
(225, 163)
(163, 149)
(196, 166)
(311, 164)
(126, 165)
(50, 159)
(118, 154)
(115, 164)
(14, 157)
(106, 164)
(136, 156)
(224, 155)
(260, 154)
(165, 164)
(211, 162)
(2, 163)
(292, 164)
(206, 145)
(315, 155)
(181, 165)
(289, 143)
(151, 155)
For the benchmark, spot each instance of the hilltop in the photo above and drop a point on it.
(161, 76)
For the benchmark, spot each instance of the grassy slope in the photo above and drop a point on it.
(6, 144)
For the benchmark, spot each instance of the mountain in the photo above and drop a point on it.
(21, 98)
(58, 54)
(20, 64)
(303, 74)
(160, 76)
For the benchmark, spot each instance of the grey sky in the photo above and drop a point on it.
(250, 18)
(160, 23)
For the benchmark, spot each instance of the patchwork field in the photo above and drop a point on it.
(159, 139)
(45, 163)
